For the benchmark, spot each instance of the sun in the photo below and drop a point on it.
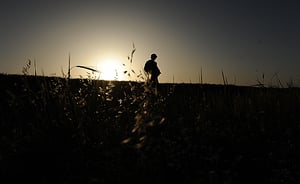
(110, 69)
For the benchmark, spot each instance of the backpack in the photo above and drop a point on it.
(148, 67)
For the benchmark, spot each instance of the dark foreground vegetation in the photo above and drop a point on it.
(54, 130)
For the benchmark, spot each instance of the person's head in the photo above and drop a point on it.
(153, 56)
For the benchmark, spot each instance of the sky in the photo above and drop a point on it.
(244, 39)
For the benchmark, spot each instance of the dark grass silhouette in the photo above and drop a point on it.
(55, 130)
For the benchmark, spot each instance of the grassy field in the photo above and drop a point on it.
(54, 130)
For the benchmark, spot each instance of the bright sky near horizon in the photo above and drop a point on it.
(242, 38)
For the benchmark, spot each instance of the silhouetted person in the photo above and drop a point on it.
(152, 70)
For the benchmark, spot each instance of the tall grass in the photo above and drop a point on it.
(61, 130)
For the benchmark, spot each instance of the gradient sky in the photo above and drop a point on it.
(244, 38)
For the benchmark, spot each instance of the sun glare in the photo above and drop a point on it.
(110, 69)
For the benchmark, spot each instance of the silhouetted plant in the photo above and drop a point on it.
(25, 69)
